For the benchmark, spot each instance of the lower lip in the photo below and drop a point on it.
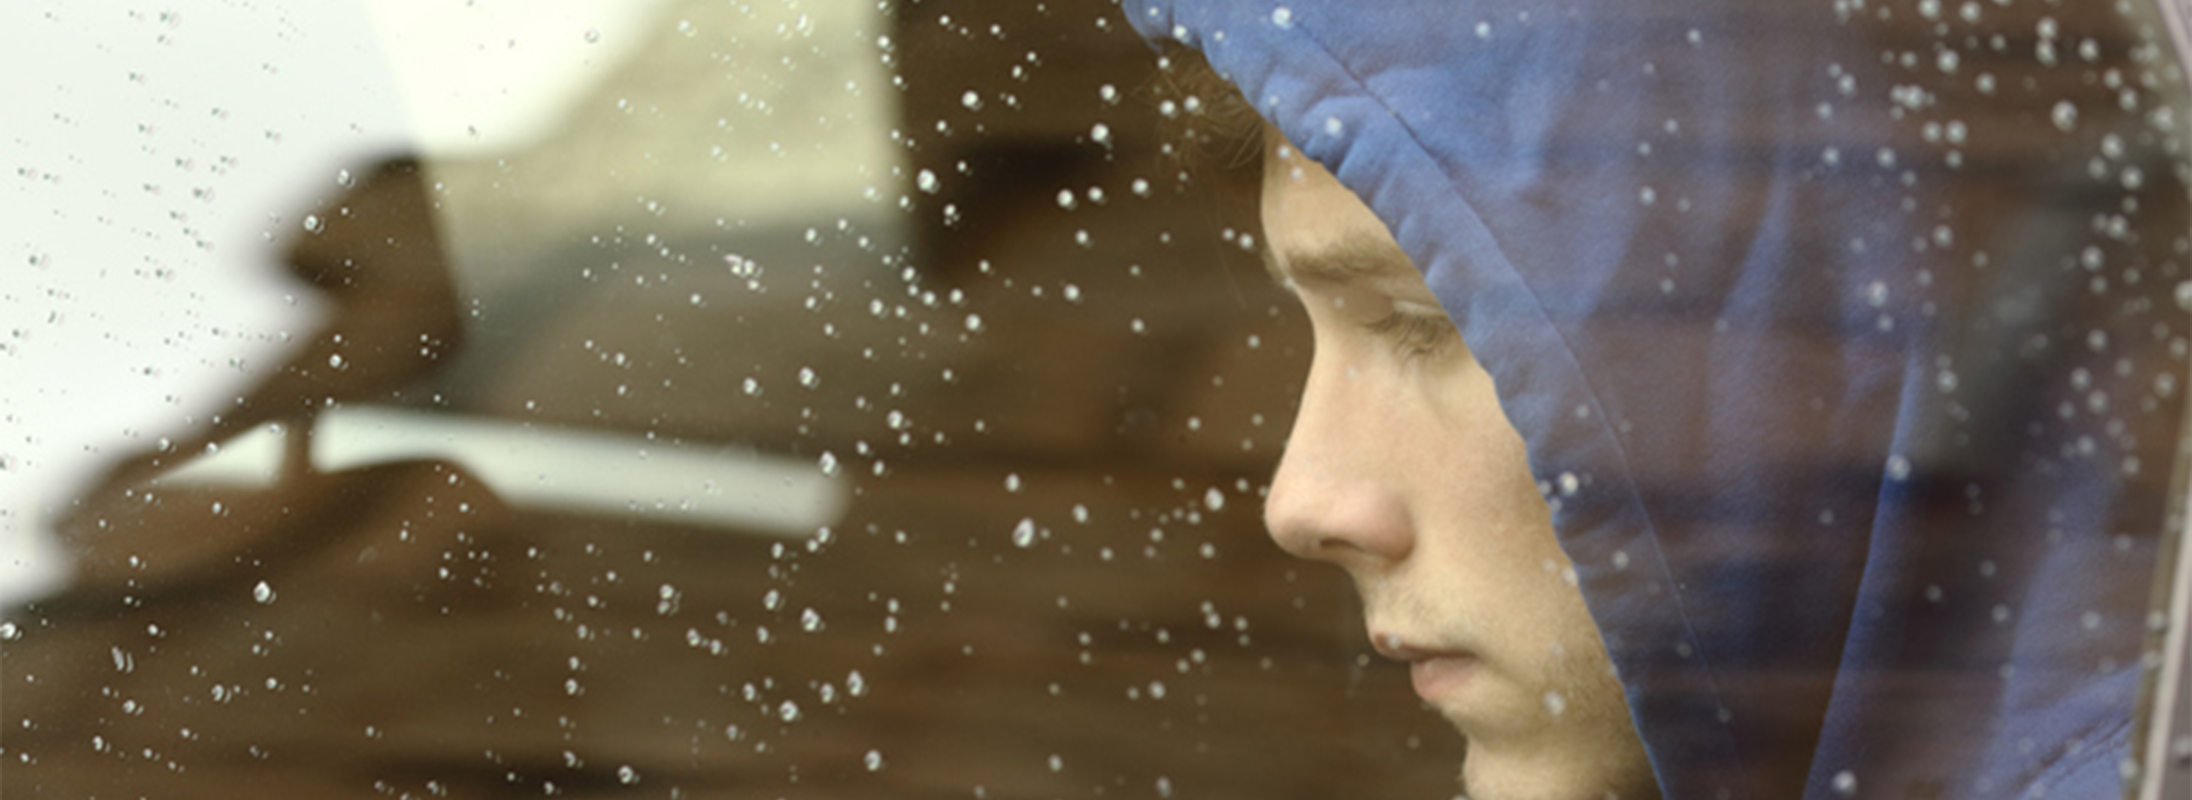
(1439, 676)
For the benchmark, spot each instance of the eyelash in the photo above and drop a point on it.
(1415, 335)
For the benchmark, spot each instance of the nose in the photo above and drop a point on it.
(1338, 495)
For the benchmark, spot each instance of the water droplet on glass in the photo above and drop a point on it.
(807, 377)
(592, 36)
(829, 464)
(773, 600)
(1012, 482)
(342, 178)
(1282, 17)
(974, 323)
(927, 181)
(1057, 763)
(746, 268)
(1898, 468)
(262, 593)
(1334, 127)
(1845, 783)
(1023, 534)
(626, 775)
(1101, 134)
(810, 621)
(972, 101)
(1569, 483)
(789, 711)
(2065, 115)
(312, 223)
(8, 632)
(1555, 704)
(1214, 499)
(873, 760)
(855, 684)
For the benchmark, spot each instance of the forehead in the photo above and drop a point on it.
(1318, 230)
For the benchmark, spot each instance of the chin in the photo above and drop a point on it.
(1488, 777)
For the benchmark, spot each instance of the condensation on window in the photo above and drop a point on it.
(665, 399)
(825, 398)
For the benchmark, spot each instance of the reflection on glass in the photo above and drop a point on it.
(813, 399)
(850, 399)
(1843, 343)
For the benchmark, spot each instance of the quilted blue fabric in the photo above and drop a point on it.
(1844, 336)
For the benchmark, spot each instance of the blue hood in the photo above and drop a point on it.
(1845, 339)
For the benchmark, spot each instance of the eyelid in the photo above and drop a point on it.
(1419, 308)
(1414, 329)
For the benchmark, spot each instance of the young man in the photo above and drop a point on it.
(1402, 470)
(1833, 351)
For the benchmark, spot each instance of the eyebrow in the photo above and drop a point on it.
(1350, 258)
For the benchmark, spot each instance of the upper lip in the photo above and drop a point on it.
(1402, 648)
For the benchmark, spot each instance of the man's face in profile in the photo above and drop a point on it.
(1402, 470)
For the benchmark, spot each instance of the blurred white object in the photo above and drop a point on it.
(558, 469)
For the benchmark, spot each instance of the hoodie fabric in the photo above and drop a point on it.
(1847, 339)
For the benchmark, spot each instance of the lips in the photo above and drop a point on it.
(1441, 676)
(1435, 672)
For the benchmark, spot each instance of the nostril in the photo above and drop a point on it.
(1337, 521)
(1302, 546)
(1289, 513)
(1291, 530)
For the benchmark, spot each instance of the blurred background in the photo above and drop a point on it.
(666, 398)
(656, 399)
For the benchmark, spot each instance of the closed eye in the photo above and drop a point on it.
(1415, 334)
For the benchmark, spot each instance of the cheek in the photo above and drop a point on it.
(1480, 502)
(1484, 457)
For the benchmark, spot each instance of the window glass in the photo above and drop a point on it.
(672, 399)
(841, 398)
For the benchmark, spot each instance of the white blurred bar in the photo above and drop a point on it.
(550, 468)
